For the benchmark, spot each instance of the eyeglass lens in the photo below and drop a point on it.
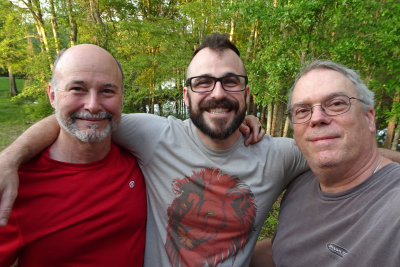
(229, 83)
(332, 106)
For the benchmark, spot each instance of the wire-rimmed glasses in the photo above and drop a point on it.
(332, 106)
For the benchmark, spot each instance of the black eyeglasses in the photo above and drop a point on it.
(333, 106)
(205, 84)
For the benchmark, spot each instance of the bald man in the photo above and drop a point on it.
(82, 201)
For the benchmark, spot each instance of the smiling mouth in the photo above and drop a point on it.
(222, 106)
(92, 119)
(322, 138)
(219, 110)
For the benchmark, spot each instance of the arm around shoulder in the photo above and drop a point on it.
(390, 154)
(30, 143)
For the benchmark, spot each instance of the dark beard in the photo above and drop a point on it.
(224, 130)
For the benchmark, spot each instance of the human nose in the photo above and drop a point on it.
(318, 115)
(218, 91)
(93, 104)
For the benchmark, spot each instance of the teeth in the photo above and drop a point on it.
(218, 110)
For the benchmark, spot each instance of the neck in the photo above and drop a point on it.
(218, 144)
(68, 148)
(339, 179)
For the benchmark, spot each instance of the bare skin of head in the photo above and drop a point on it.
(87, 97)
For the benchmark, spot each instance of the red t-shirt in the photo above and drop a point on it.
(77, 214)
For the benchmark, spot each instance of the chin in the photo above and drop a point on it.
(326, 163)
(324, 160)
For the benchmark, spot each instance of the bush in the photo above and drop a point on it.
(270, 224)
(39, 109)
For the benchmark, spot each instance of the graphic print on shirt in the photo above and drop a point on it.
(210, 218)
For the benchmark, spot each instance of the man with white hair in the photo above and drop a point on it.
(345, 212)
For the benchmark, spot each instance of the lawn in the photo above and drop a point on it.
(12, 117)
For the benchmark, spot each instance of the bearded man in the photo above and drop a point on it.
(82, 201)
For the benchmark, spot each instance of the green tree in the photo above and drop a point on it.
(12, 42)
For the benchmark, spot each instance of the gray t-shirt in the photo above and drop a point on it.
(358, 227)
(206, 207)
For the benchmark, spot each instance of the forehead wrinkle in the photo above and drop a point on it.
(333, 94)
(111, 85)
(81, 82)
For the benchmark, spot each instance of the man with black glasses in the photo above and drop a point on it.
(208, 193)
(346, 211)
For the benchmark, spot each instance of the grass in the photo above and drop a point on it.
(12, 117)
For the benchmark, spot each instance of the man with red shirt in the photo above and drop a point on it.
(82, 201)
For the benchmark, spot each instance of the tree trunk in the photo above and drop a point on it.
(396, 138)
(255, 38)
(269, 118)
(160, 109)
(254, 108)
(262, 116)
(286, 128)
(248, 108)
(250, 42)
(72, 23)
(279, 121)
(35, 9)
(232, 26)
(274, 117)
(390, 133)
(13, 85)
(94, 8)
(54, 26)
(392, 124)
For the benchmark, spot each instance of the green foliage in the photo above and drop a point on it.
(12, 118)
(154, 41)
(39, 109)
(12, 39)
(270, 224)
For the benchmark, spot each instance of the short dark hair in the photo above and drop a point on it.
(217, 42)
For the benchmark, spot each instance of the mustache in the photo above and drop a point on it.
(223, 103)
(88, 115)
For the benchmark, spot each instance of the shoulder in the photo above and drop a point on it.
(275, 143)
(145, 120)
(282, 148)
(303, 180)
(393, 168)
(119, 158)
(120, 151)
(141, 117)
(389, 179)
(280, 142)
(39, 161)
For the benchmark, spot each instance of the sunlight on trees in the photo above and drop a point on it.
(154, 41)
